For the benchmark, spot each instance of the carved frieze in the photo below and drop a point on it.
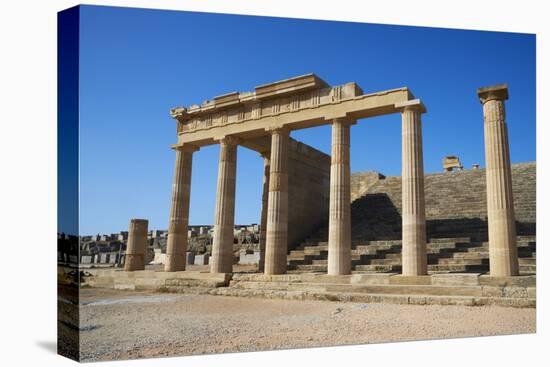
(285, 96)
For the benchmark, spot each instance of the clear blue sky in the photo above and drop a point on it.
(136, 64)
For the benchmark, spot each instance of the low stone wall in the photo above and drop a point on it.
(153, 280)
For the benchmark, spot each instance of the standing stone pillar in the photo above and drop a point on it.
(277, 207)
(414, 256)
(263, 219)
(224, 220)
(339, 232)
(137, 245)
(503, 253)
(176, 243)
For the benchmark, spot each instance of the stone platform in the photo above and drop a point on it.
(151, 279)
(469, 289)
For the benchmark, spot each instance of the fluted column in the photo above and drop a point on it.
(339, 232)
(137, 245)
(263, 219)
(224, 219)
(176, 243)
(277, 207)
(503, 254)
(414, 256)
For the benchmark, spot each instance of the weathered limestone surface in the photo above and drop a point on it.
(414, 213)
(176, 244)
(224, 220)
(361, 182)
(296, 103)
(456, 204)
(277, 212)
(137, 244)
(503, 255)
(339, 240)
(308, 190)
(263, 219)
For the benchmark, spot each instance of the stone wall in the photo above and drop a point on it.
(362, 181)
(308, 196)
(456, 204)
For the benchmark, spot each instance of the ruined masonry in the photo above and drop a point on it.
(449, 238)
(262, 120)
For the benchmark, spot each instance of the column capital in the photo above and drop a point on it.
(343, 120)
(411, 105)
(278, 129)
(494, 92)
(228, 140)
(265, 154)
(190, 148)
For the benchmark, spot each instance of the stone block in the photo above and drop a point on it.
(382, 278)
(516, 281)
(249, 259)
(450, 300)
(492, 291)
(411, 280)
(515, 292)
(124, 284)
(455, 279)
(201, 259)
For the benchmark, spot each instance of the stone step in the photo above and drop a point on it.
(527, 261)
(437, 268)
(377, 298)
(457, 258)
(462, 261)
(315, 249)
(449, 240)
(395, 261)
(397, 289)
(306, 267)
(320, 262)
(188, 290)
(524, 238)
(471, 255)
(379, 268)
(527, 268)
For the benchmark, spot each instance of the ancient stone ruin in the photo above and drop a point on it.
(325, 233)
(261, 120)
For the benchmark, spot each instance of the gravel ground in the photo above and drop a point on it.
(125, 325)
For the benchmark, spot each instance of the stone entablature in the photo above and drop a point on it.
(252, 107)
(268, 99)
(299, 102)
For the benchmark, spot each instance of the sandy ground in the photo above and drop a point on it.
(123, 325)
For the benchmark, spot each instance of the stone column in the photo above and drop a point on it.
(277, 207)
(503, 253)
(224, 219)
(137, 245)
(414, 256)
(176, 243)
(263, 220)
(339, 232)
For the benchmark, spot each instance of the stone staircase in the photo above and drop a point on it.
(458, 254)
(456, 221)
(472, 289)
